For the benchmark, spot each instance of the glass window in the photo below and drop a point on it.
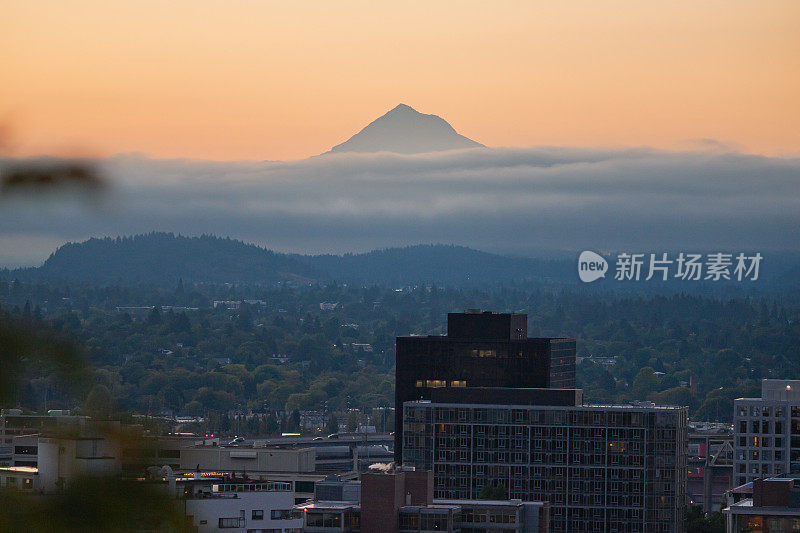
(304, 486)
(314, 519)
(228, 523)
(258, 514)
(280, 514)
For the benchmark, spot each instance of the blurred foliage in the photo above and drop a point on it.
(93, 504)
(699, 522)
(48, 174)
(29, 347)
(493, 492)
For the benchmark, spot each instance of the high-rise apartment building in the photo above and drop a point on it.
(480, 350)
(767, 432)
(601, 468)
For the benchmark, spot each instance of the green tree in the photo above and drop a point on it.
(674, 396)
(493, 492)
(698, 522)
(352, 422)
(181, 323)
(271, 424)
(333, 424)
(99, 403)
(154, 316)
(644, 383)
(244, 321)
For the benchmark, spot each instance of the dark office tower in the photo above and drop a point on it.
(479, 350)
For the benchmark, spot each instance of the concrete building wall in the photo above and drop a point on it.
(62, 460)
(249, 459)
(382, 496)
(767, 432)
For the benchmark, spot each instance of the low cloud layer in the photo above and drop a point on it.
(524, 201)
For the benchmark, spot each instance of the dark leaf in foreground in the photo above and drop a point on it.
(42, 177)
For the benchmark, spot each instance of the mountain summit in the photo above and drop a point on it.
(407, 131)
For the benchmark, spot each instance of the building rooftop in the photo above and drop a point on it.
(488, 503)
(591, 407)
(325, 504)
(779, 495)
(20, 469)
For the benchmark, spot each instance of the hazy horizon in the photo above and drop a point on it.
(497, 200)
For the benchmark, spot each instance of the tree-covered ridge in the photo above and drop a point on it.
(162, 258)
(439, 263)
(282, 351)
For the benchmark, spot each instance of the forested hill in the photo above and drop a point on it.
(444, 264)
(163, 258)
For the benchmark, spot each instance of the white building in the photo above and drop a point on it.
(767, 432)
(59, 460)
(14, 424)
(249, 507)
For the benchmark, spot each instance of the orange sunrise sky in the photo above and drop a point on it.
(240, 79)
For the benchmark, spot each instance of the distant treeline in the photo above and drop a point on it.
(284, 351)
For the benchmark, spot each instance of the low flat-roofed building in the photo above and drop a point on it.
(331, 516)
(334, 488)
(62, 459)
(400, 500)
(302, 484)
(25, 450)
(505, 516)
(764, 505)
(19, 477)
(249, 459)
(13, 423)
(142, 451)
(246, 506)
